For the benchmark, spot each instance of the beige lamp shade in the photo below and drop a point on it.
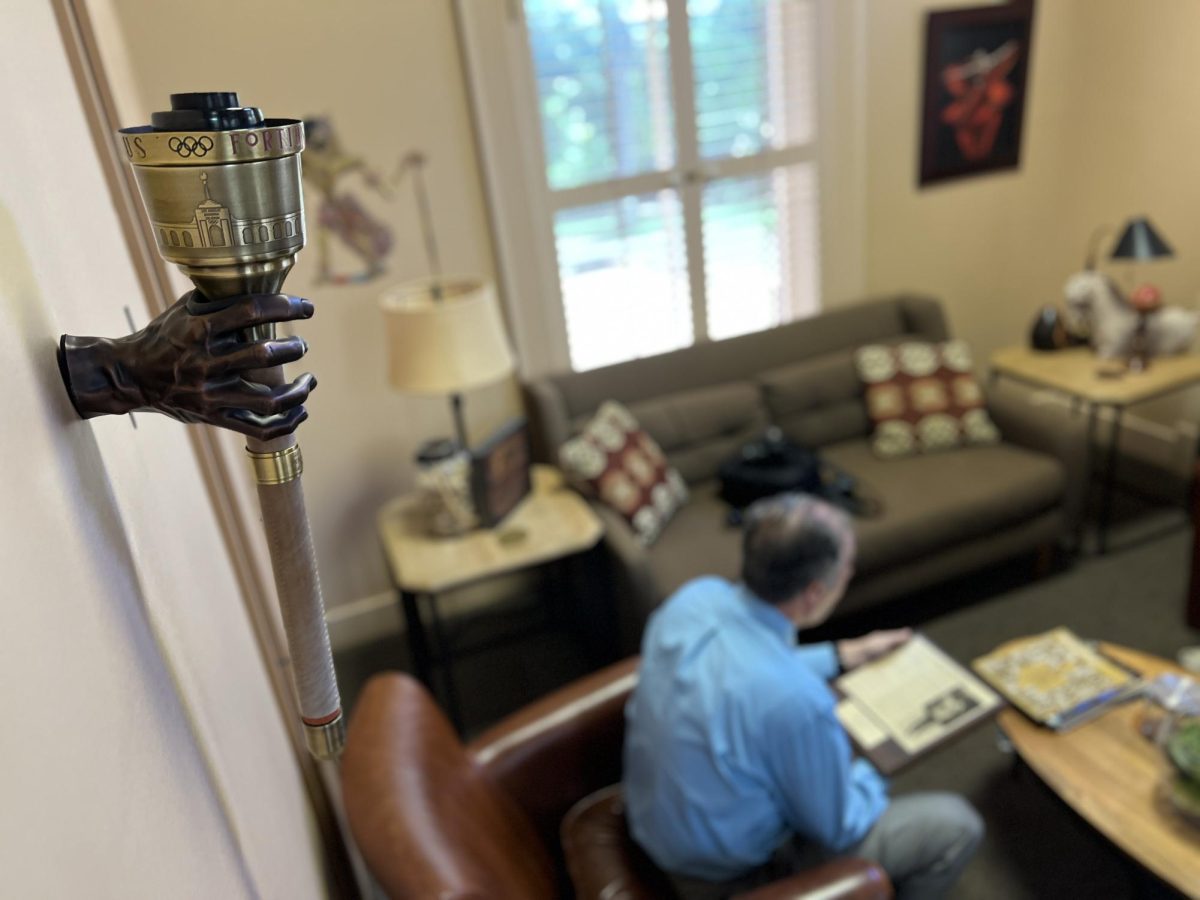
(447, 345)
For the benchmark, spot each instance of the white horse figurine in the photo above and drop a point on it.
(1095, 306)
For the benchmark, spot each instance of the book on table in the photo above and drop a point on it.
(1057, 679)
(899, 707)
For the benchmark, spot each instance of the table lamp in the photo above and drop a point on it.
(1138, 241)
(445, 336)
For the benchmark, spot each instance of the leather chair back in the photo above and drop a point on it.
(550, 754)
(428, 819)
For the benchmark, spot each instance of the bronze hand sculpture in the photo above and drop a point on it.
(191, 366)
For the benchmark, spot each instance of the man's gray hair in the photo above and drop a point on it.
(791, 541)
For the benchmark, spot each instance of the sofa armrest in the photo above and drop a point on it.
(560, 748)
(549, 424)
(1050, 429)
(636, 593)
(840, 879)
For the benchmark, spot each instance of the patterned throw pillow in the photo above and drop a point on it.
(617, 462)
(923, 397)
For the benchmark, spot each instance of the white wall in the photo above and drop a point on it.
(142, 753)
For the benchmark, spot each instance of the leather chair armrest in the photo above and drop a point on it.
(840, 879)
(1048, 428)
(561, 748)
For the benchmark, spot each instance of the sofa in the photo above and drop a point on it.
(529, 810)
(943, 514)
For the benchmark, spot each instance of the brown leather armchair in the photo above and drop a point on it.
(437, 819)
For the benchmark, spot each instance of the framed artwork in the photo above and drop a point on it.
(976, 77)
(500, 472)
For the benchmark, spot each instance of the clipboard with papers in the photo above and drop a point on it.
(898, 708)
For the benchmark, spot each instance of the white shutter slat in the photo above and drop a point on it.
(624, 279)
(760, 250)
(602, 69)
(753, 68)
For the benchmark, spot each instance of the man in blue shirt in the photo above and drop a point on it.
(737, 770)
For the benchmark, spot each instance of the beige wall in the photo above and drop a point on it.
(1108, 134)
(389, 75)
(142, 751)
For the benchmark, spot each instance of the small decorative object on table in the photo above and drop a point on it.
(1121, 327)
(1183, 749)
(500, 472)
(1051, 332)
(1146, 300)
(1167, 700)
(444, 484)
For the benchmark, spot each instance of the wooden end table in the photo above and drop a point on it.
(550, 524)
(1111, 776)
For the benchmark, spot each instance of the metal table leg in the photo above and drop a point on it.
(446, 658)
(1193, 603)
(418, 645)
(1110, 474)
(1089, 465)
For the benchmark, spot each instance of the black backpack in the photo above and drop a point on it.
(774, 465)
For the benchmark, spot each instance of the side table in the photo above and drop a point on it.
(550, 524)
(1073, 372)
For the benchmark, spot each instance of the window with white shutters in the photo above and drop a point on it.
(678, 140)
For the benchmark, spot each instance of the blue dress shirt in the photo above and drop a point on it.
(732, 742)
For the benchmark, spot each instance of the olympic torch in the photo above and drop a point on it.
(221, 188)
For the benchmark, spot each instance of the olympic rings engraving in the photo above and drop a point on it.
(190, 146)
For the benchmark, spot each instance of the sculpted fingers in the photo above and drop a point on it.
(259, 309)
(262, 400)
(259, 355)
(264, 428)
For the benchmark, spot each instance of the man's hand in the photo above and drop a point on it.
(855, 652)
(192, 367)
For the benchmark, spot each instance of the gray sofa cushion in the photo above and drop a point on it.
(931, 503)
(937, 500)
(697, 429)
(817, 401)
(697, 542)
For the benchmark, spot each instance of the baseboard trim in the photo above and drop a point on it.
(363, 620)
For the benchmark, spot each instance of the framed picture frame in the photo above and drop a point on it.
(500, 476)
(976, 80)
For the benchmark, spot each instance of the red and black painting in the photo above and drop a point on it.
(976, 75)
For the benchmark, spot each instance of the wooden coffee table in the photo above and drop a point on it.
(1109, 774)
